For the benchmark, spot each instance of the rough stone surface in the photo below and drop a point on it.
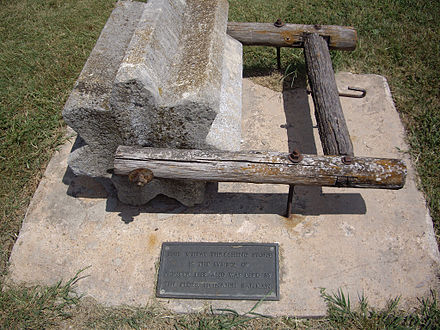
(224, 133)
(88, 109)
(376, 242)
(162, 74)
(186, 192)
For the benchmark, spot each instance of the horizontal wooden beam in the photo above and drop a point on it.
(262, 167)
(291, 35)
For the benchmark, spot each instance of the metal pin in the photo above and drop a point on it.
(294, 157)
(289, 201)
(279, 23)
(357, 89)
(278, 58)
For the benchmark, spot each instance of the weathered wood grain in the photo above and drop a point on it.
(291, 35)
(332, 127)
(261, 167)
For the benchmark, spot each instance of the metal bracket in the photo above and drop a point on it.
(356, 96)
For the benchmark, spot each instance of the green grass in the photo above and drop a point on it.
(59, 307)
(341, 313)
(36, 307)
(44, 45)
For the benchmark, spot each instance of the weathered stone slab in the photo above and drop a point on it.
(186, 192)
(376, 242)
(88, 108)
(172, 79)
(168, 85)
(225, 133)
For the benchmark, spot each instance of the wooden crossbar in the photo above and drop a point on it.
(291, 35)
(262, 167)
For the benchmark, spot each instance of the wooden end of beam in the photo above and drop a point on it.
(291, 35)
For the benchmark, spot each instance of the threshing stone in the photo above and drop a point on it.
(375, 242)
(162, 74)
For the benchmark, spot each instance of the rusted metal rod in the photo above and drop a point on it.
(279, 23)
(352, 95)
(278, 58)
(290, 201)
(357, 89)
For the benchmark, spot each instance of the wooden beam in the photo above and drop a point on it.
(261, 167)
(291, 35)
(332, 127)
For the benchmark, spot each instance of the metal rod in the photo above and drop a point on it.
(357, 89)
(289, 201)
(279, 58)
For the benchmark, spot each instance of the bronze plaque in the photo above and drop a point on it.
(218, 271)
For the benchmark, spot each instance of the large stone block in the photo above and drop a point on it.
(162, 74)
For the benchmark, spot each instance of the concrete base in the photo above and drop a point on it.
(376, 242)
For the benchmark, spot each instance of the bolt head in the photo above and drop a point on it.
(347, 160)
(279, 23)
(296, 156)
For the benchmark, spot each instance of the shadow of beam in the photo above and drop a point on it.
(244, 203)
(309, 200)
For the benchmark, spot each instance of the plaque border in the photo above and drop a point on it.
(211, 297)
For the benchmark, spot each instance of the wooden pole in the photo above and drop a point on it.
(261, 167)
(332, 127)
(291, 35)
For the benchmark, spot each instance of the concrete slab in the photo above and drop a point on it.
(377, 242)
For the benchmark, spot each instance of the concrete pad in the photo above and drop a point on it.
(377, 242)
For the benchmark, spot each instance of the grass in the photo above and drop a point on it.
(44, 46)
(59, 307)
(36, 307)
(342, 315)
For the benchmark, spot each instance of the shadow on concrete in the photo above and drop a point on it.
(308, 200)
(243, 203)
